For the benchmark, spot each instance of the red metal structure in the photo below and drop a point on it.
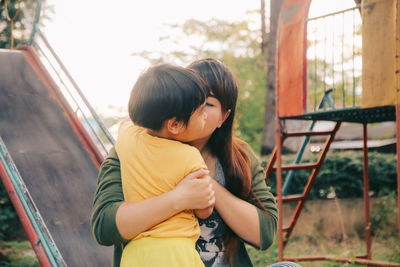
(48, 163)
(380, 99)
(52, 143)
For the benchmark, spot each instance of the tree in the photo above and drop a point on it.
(264, 37)
(238, 46)
(23, 21)
(268, 142)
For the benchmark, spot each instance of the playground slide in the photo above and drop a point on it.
(53, 155)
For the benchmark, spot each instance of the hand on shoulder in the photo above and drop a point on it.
(195, 191)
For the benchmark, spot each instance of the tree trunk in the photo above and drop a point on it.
(269, 119)
(263, 28)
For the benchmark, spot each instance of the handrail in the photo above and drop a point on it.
(35, 26)
(93, 131)
(79, 91)
(73, 91)
(328, 59)
(289, 176)
(62, 82)
(335, 13)
(44, 237)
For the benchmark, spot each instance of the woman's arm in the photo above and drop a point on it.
(107, 199)
(239, 215)
(268, 219)
(114, 221)
(204, 213)
(191, 193)
(245, 218)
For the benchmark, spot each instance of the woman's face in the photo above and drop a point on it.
(215, 117)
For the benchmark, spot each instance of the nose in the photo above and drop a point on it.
(205, 115)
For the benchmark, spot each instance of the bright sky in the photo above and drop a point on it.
(95, 39)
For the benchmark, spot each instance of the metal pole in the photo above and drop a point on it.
(43, 235)
(35, 26)
(279, 187)
(78, 90)
(398, 169)
(297, 160)
(398, 115)
(366, 191)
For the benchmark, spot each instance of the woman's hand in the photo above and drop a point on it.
(195, 191)
(239, 215)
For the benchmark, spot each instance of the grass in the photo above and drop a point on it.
(20, 253)
(384, 249)
(17, 253)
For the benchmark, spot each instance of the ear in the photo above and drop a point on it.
(174, 126)
(228, 112)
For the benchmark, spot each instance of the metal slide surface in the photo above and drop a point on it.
(56, 166)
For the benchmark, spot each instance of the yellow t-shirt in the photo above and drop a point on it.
(151, 166)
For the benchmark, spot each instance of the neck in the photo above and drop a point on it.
(201, 144)
(161, 133)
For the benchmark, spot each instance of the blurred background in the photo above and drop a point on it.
(105, 45)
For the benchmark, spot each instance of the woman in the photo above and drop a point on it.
(245, 210)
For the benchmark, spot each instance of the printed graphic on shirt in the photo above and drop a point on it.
(210, 243)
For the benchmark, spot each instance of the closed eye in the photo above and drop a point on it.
(209, 105)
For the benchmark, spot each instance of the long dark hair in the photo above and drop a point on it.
(163, 92)
(229, 150)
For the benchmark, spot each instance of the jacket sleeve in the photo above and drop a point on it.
(269, 218)
(107, 199)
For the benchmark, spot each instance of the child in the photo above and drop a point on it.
(166, 108)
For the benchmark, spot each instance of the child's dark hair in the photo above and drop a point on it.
(163, 92)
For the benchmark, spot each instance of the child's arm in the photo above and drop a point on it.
(204, 213)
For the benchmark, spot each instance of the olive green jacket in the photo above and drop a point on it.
(109, 196)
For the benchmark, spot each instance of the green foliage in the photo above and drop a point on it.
(20, 27)
(384, 214)
(10, 227)
(17, 253)
(251, 101)
(263, 258)
(344, 171)
(384, 249)
(238, 46)
(22, 23)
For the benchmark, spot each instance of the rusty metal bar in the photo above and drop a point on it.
(366, 191)
(335, 13)
(298, 166)
(39, 236)
(270, 164)
(293, 198)
(364, 256)
(343, 259)
(89, 125)
(279, 187)
(310, 181)
(398, 168)
(35, 62)
(309, 133)
(77, 88)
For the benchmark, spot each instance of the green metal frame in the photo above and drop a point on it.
(52, 252)
(35, 26)
(353, 114)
